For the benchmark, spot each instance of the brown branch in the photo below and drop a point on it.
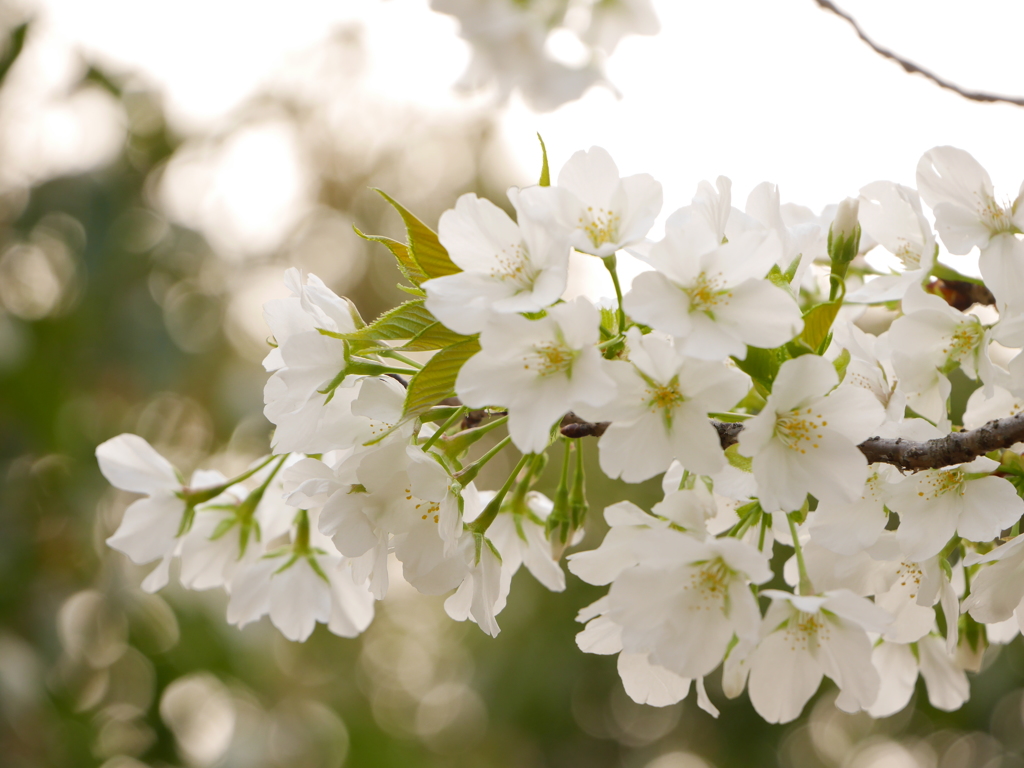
(907, 455)
(912, 68)
(961, 294)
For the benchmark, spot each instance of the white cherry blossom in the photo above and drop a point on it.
(964, 499)
(805, 638)
(507, 267)
(538, 369)
(714, 302)
(805, 438)
(661, 411)
(151, 527)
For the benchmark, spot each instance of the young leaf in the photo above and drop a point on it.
(434, 336)
(406, 262)
(817, 323)
(425, 248)
(436, 380)
(405, 321)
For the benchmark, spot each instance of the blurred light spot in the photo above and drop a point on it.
(451, 718)
(635, 724)
(121, 761)
(132, 684)
(178, 427)
(91, 629)
(122, 733)
(679, 760)
(307, 734)
(192, 318)
(200, 713)
(139, 230)
(35, 278)
(15, 343)
(20, 675)
(154, 624)
(885, 754)
(244, 194)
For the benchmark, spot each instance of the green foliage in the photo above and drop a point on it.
(424, 249)
(436, 380)
(412, 321)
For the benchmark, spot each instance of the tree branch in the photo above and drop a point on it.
(907, 455)
(912, 68)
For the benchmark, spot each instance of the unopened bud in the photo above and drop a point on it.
(845, 222)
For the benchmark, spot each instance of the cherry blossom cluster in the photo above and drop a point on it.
(512, 40)
(733, 367)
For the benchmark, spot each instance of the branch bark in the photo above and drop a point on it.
(915, 69)
(907, 455)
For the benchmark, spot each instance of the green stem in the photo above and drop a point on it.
(301, 543)
(198, 497)
(577, 494)
(402, 358)
(482, 523)
(610, 263)
(467, 475)
(805, 587)
(459, 413)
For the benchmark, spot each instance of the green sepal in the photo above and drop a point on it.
(738, 460)
(436, 379)
(841, 363)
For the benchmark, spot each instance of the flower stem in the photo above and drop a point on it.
(482, 523)
(459, 412)
(402, 358)
(467, 475)
(805, 587)
(610, 263)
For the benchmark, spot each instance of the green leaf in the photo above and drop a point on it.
(817, 323)
(762, 365)
(425, 248)
(407, 263)
(434, 336)
(777, 278)
(545, 171)
(436, 380)
(405, 321)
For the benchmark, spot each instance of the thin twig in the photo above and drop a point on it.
(912, 68)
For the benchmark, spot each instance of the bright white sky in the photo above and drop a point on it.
(754, 90)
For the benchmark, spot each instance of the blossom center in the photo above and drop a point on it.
(426, 509)
(963, 341)
(807, 630)
(908, 254)
(512, 265)
(551, 358)
(601, 226)
(709, 585)
(941, 482)
(664, 399)
(994, 216)
(798, 429)
(706, 293)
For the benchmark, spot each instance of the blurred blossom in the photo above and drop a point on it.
(198, 710)
(307, 734)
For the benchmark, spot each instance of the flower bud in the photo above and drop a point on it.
(845, 222)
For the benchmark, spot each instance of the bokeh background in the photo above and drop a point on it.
(162, 163)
